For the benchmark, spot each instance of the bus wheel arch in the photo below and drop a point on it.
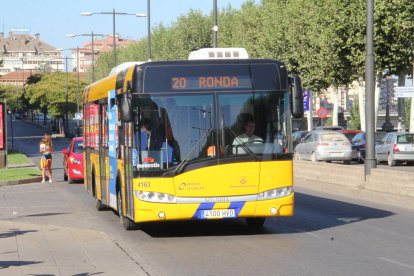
(98, 203)
(126, 222)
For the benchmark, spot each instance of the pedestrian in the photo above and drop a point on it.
(46, 149)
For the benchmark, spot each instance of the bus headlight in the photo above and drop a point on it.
(275, 193)
(155, 197)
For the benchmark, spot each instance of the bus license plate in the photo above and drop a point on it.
(214, 214)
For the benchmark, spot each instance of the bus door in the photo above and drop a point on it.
(102, 151)
(128, 167)
(113, 147)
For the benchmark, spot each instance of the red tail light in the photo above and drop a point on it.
(395, 148)
(323, 144)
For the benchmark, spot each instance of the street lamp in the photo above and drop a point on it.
(66, 96)
(113, 13)
(92, 35)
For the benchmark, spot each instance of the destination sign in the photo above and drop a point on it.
(210, 82)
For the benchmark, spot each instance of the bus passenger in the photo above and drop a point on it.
(154, 137)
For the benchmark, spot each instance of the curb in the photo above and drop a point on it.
(20, 181)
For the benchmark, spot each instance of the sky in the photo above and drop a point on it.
(54, 19)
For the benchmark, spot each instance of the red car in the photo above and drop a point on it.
(73, 160)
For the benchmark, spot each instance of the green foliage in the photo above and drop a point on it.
(18, 173)
(49, 93)
(323, 41)
(12, 94)
(354, 121)
(15, 157)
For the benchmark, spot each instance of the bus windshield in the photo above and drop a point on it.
(171, 131)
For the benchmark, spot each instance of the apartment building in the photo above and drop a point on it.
(26, 53)
(84, 53)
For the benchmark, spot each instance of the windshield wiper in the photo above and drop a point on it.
(185, 161)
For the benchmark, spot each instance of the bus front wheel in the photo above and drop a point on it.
(126, 222)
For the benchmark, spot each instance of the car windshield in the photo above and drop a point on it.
(332, 137)
(78, 147)
(405, 139)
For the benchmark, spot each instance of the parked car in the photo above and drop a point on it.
(324, 145)
(328, 128)
(396, 147)
(73, 161)
(358, 145)
(298, 136)
(350, 133)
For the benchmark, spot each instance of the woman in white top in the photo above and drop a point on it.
(46, 148)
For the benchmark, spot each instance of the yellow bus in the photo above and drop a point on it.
(192, 140)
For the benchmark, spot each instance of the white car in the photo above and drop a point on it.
(396, 147)
(324, 145)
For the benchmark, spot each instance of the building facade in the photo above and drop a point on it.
(24, 52)
(83, 55)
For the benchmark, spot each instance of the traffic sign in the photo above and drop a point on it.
(404, 92)
(322, 112)
(78, 116)
(306, 98)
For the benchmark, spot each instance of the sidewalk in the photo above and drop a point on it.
(29, 249)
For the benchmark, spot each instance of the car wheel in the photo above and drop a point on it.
(65, 177)
(126, 222)
(360, 158)
(313, 157)
(391, 162)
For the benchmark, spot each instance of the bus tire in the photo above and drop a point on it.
(255, 222)
(99, 205)
(126, 222)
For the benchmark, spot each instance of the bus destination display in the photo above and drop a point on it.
(210, 82)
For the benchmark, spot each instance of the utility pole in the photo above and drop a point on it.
(215, 28)
(370, 161)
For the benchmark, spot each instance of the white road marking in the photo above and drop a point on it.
(397, 263)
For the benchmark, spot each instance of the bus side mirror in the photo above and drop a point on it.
(126, 108)
(297, 97)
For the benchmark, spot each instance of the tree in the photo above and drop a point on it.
(48, 94)
(11, 93)
(354, 120)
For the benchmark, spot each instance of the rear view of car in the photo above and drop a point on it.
(359, 144)
(396, 147)
(73, 161)
(324, 145)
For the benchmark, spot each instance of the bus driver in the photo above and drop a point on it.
(248, 136)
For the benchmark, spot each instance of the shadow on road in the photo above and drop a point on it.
(15, 232)
(7, 264)
(312, 213)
